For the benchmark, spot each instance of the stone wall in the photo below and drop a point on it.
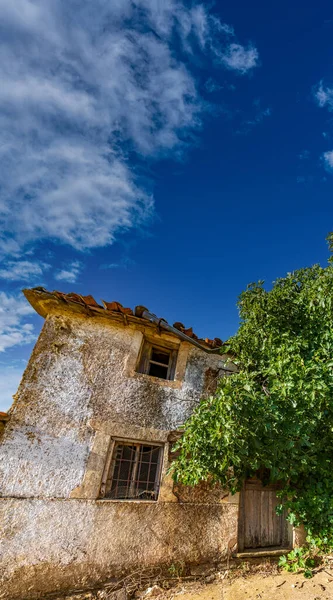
(79, 390)
(57, 544)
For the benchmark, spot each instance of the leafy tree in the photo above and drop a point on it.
(277, 411)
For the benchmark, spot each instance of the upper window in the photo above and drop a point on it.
(158, 361)
(134, 472)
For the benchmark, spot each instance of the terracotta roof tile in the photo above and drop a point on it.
(72, 296)
(115, 307)
(90, 301)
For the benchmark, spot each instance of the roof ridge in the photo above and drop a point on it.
(90, 303)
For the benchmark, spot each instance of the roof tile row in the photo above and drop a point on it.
(90, 302)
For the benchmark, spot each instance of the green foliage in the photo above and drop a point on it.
(277, 411)
(176, 569)
(299, 559)
(306, 558)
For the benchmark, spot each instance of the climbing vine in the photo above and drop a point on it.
(277, 411)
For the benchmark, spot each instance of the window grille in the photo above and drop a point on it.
(134, 472)
(158, 361)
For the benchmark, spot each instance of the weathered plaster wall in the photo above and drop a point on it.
(46, 442)
(79, 390)
(83, 370)
(49, 545)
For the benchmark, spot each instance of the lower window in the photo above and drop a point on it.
(134, 472)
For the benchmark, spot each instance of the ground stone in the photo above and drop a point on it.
(150, 592)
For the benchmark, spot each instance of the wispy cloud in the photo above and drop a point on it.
(324, 96)
(241, 59)
(260, 114)
(80, 85)
(14, 330)
(10, 377)
(70, 273)
(123, 263)
(304, 155)
(23, 270)
(328, 159)
(212, 86)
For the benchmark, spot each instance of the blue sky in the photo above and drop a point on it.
(160, 152)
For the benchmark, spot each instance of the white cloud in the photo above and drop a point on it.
(328, 159)
(70, 273)
(14, 330)
(324, 96)
(80, 85)
(212, 86)
(23, 270)
(10, 377)
(241, 59)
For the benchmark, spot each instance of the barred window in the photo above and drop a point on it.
(134, 472)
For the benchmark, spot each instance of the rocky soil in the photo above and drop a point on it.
(243, 583)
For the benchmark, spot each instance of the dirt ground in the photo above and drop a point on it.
(284, 586)
(241, 584)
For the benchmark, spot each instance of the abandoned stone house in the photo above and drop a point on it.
(84, 454)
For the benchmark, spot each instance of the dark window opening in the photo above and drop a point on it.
(157, 362)
(160, 357)
(134, 472)
(158, 371)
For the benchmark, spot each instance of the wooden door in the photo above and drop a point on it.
(259, 525)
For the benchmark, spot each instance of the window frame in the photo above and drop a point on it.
(145, 360)
(110, 465)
